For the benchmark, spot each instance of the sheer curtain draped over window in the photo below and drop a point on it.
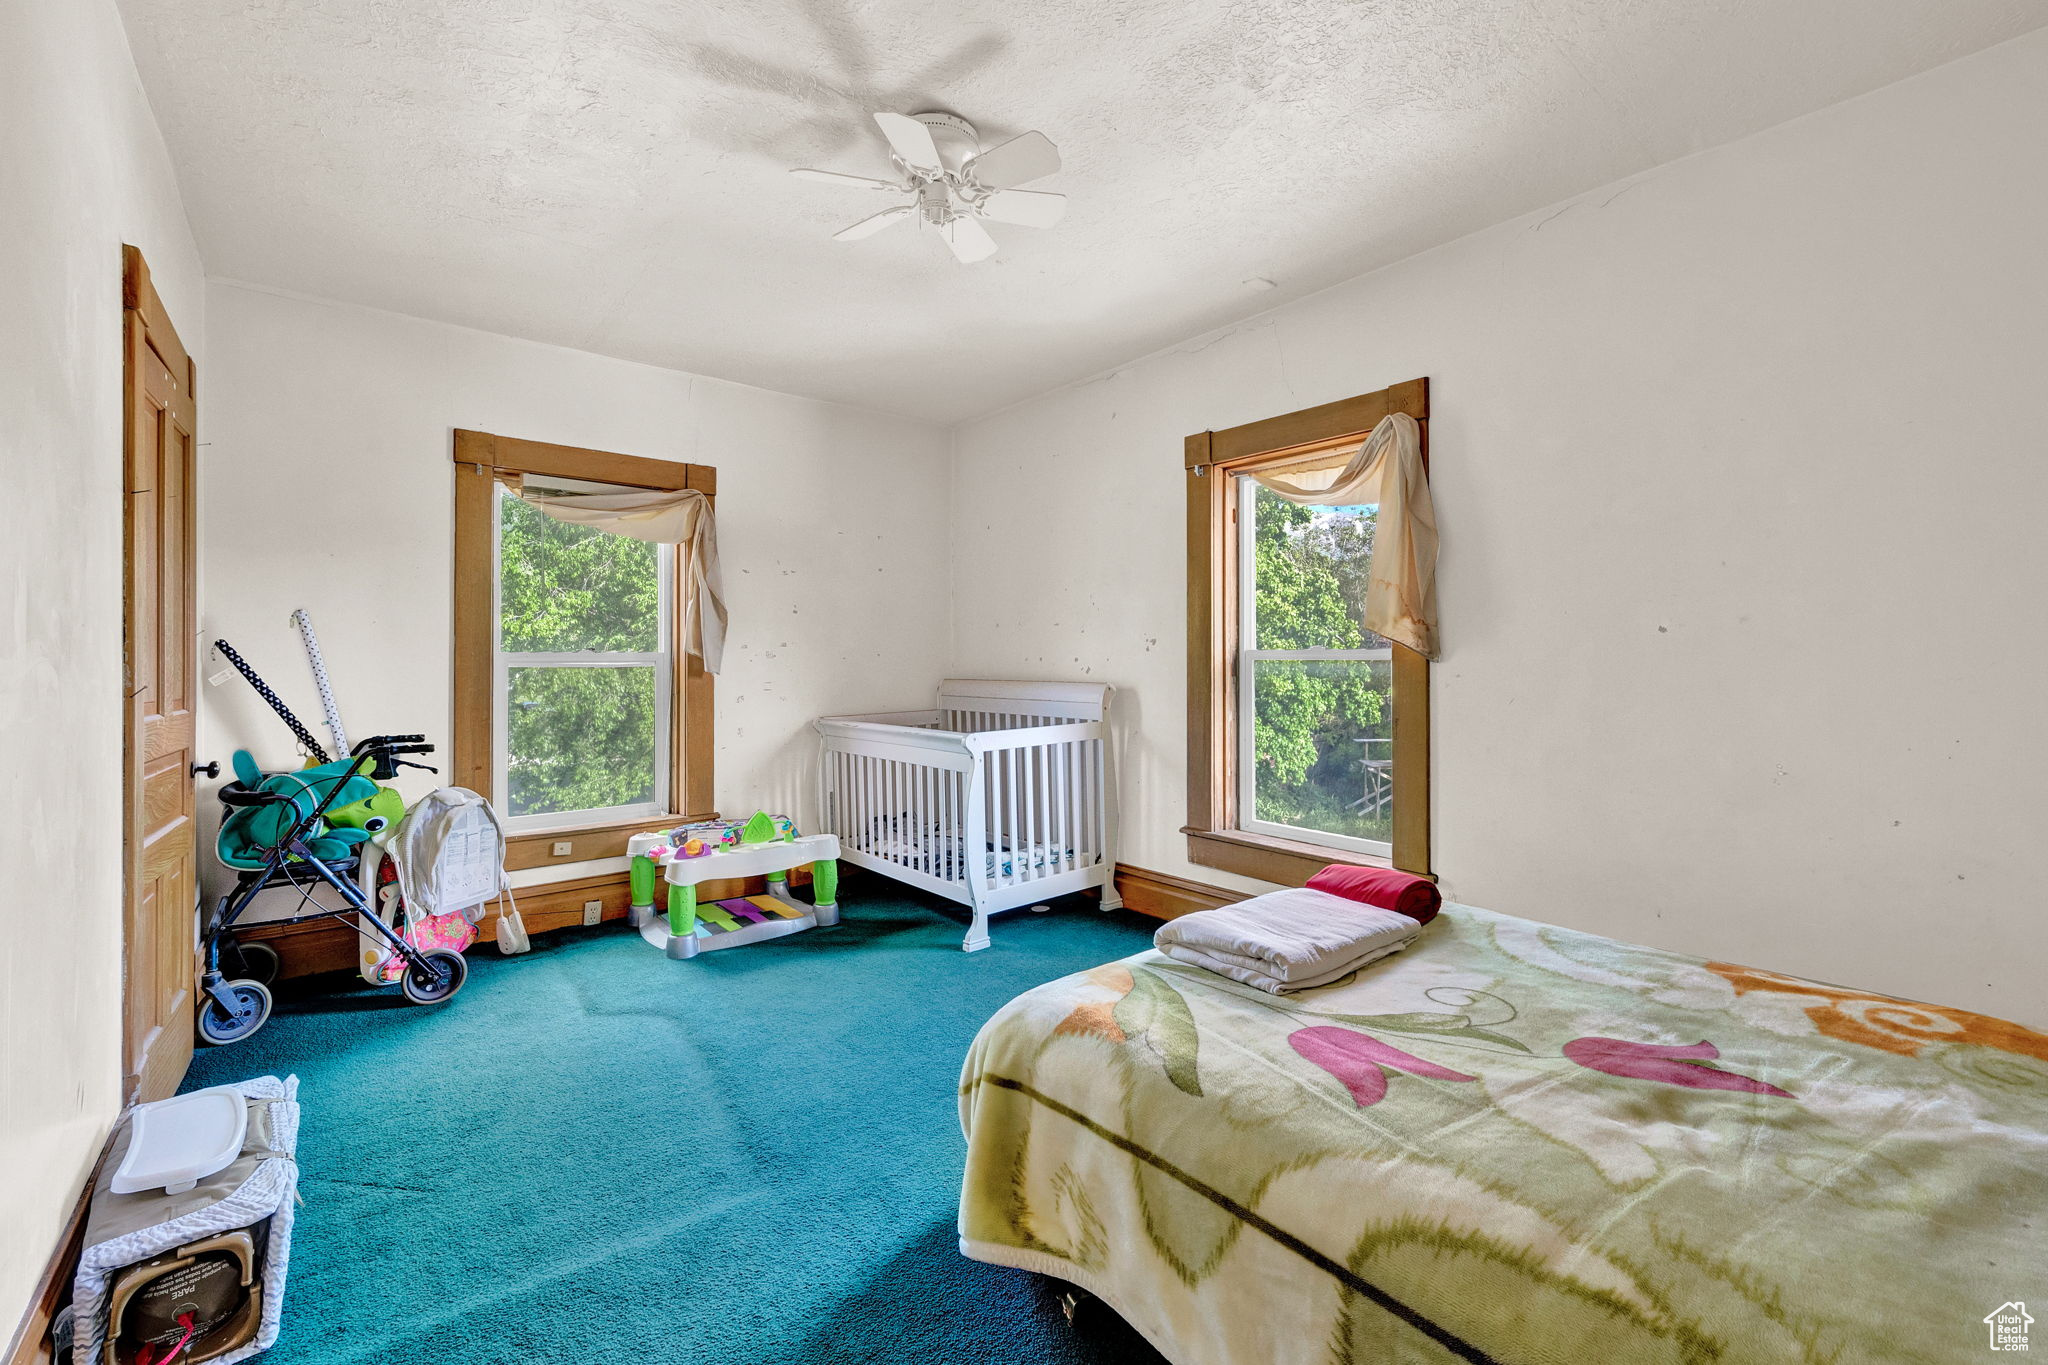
(682, 517)
(1400, 594)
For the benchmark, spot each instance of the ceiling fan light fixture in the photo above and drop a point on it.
(952, 184)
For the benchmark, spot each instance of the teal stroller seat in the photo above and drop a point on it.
(250, 833)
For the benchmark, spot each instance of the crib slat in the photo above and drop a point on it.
(1027, 803)
(1083, 826)
(1063, 838)
(1055, 847)
(1034, 802)
(1097, 775)
(924, 820)
(1010, 796)
(993, 781)
(1087, 801)
(873, 791)
(1041, 759)
(895, 812)
(1072, 829)
(1080, 804)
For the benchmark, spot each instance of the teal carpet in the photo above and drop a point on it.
(595, 1155)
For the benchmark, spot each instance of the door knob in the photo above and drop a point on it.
(206, 769)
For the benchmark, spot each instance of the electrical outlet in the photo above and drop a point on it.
(562, 848)
(593, 911)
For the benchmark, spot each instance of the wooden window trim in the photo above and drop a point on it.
(480, 458)
(1210, 458)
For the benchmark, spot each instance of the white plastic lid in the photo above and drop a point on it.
(174, 1144)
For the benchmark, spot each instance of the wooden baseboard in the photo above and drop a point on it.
(1164, 896)
(31, 1341)
(330, 945)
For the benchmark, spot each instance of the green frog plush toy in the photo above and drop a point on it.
(375, 813)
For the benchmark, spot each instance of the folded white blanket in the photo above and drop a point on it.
(1286, 940)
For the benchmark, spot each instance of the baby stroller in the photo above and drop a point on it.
(277, 832)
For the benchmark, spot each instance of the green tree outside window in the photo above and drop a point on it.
(579, 736)
(1312, 718)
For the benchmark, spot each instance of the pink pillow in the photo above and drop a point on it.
(1402, 892)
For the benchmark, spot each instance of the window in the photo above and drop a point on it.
(576, 708)
(584, 669)
(1314, 706)
(1308, 737)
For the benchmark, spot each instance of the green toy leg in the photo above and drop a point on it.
(825, 890)
(682, 922)
(642, 877)
(682, 911)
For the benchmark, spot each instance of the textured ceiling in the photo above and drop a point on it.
(608, 174)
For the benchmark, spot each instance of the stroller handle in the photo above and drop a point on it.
(391, 742)
(235, 794)
(385, 751)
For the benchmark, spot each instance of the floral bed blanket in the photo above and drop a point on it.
(1514, 1142)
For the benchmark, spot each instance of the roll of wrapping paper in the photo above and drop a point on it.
(320, 683)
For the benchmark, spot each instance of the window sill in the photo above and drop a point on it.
(1284, 862)
(536, 848)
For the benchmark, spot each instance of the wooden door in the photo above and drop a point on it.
(160, 634)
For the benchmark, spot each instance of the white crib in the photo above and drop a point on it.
(1001, 796)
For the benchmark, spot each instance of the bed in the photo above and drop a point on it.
(1513, 1142)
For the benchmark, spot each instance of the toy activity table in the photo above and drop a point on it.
(694, 854)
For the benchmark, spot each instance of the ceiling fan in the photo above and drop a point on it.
(954, 184)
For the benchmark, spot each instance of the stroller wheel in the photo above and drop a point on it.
(437, 978)
(259, 960)
(219, 1027)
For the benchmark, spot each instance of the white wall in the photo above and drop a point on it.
(1740, 467)
(82, 170)
(328, 485)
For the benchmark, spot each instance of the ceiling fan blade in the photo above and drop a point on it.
(970, 240)
(868, 227)
(841, 178)
(1024, 158)
(910, 139)
(1026, 208)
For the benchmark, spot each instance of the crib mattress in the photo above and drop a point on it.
(943, 852)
